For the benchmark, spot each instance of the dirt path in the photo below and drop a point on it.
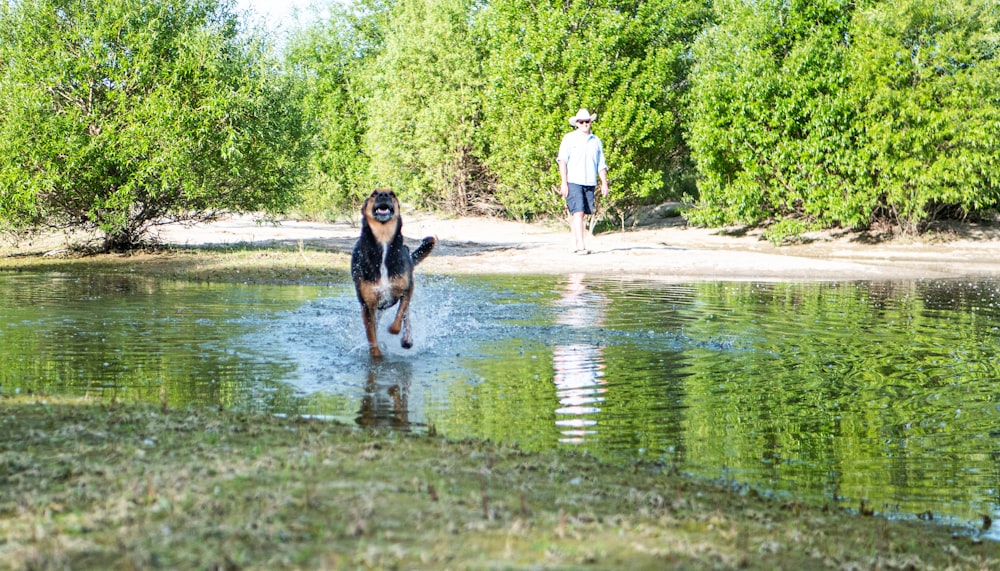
(668, 250)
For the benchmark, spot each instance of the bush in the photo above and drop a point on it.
(836, 112)
(122, 114)
(627, 62)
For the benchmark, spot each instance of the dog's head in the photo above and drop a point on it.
(382, 206)
(380, 212)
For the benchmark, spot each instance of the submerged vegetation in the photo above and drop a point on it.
(105, 485)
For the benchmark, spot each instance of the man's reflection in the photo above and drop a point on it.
(579, 365)
(387, 392)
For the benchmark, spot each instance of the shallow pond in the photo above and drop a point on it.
(857, 393)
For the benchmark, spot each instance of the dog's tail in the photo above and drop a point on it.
(423, 250)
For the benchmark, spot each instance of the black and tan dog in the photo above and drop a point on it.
(382, 267)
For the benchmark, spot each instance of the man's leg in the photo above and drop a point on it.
(578, 231)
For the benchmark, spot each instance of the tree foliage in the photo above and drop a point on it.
(464, 103)
(121, 114)
(626, 61)
(790, 113)
(422, 109)
(328, 59)
(832, 112)
(932, 116)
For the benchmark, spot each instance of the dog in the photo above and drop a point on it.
(382, 267)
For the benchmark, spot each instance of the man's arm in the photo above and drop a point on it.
(564, 186)
(602, 168)
(561, 160)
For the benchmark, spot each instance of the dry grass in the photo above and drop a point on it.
(87, 485)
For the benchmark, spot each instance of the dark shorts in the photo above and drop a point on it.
(581, 198)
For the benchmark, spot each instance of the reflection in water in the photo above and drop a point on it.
(579, 388)
(883, 393)
(133, 338)
(387, 394)
(579, 367)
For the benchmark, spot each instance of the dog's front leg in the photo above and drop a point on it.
(370, 317)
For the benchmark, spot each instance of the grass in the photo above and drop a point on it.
(98, 485)
(247, 264)
(87, 485)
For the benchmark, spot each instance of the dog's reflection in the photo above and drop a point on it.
(387, 393)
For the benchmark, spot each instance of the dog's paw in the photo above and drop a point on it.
(406, 343)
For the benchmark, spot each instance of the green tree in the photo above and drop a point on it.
(833, 113)
(625, 60)
(423, 106)
(328, 58)
(769, 115)
(928, 73)
(121, 114)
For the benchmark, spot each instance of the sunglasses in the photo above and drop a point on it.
(584, 121)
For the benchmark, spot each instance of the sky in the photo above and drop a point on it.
(277, 15)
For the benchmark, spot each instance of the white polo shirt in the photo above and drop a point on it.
(584, 157)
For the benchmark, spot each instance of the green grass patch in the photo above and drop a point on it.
(240, 264)
(87, 485)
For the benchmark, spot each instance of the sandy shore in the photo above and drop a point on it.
(667, 250)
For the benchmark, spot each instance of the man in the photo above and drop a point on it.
(581, 163)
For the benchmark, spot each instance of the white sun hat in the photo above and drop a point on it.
(582, 115)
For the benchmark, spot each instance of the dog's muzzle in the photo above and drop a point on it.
(383, 210)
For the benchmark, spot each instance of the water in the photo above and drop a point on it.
(881, 393)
